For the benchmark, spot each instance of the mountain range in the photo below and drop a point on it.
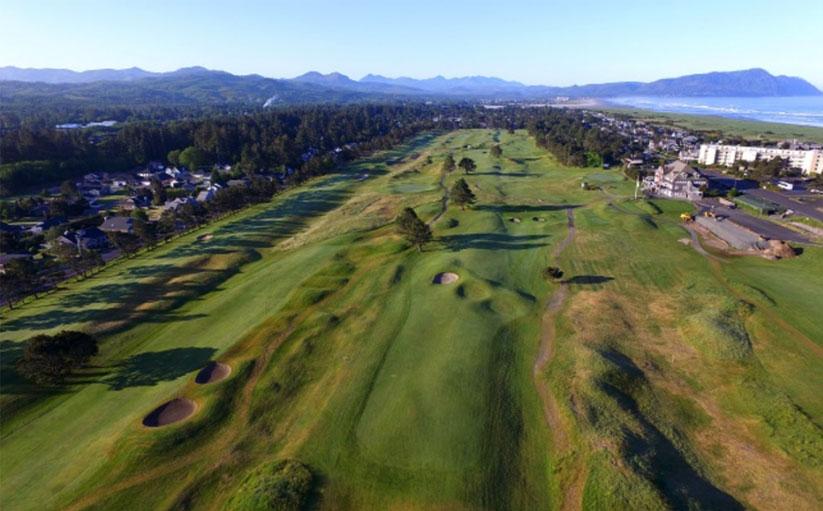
(193, 85)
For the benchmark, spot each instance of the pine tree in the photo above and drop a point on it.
(467, 164)
(413, 229)
(448, 163)
(461, 194)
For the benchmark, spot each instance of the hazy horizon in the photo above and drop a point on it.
(546, 43)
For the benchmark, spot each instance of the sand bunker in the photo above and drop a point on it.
(205, 237)
(175, 410)
(213, 373)
(445, 278)
(515, 220)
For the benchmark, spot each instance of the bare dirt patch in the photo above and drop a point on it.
(446, 277)
(170, 412)
(213, 373)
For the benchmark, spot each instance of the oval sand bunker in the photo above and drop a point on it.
(445, 278)
(205, 237)
(168, 413)
(213, 373)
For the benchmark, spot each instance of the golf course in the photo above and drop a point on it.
(653, 374)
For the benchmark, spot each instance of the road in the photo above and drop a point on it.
(811, 206)
(802, 202)
(765, 228)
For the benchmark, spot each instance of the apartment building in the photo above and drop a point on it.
(809, 161)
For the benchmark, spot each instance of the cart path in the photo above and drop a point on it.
(572, 495)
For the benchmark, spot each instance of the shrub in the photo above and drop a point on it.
(281, 486)
(49, 359)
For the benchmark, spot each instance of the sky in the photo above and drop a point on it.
(547, 42)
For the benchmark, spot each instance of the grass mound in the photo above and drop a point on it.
(719, 333)
(281, 486)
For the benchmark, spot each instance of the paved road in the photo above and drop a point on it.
(810, 207)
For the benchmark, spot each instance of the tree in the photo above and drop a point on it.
(158, 192)
(448, 163)
(467, 164)
(174, 157)
(216, 178)
(125, 242)
(461, 194)
(68, 189)
(413, 229)
(18, 279)
(496, 151)
(49, 359)
(192, 158)
(144, 229)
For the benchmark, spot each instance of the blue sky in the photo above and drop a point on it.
(537, 42)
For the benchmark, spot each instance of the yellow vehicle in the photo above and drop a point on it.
(686, 217)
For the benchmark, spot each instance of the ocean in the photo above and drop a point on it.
(804, 110)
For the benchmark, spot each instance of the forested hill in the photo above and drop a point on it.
(25, 90)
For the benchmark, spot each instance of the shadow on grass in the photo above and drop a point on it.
(150, 368)
(493, 241)
(523, 208)
(652, 454)
(588, 279)
(504, 174)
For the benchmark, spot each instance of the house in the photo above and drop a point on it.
(122, 224)
(172, 205)
(136, 202)
(90, 238)
(5, 259)
(205, 195)
(677, 180)
(45, 225)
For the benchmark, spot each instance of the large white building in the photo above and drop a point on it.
(809, 161)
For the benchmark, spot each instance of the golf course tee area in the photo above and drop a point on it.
(302, 354)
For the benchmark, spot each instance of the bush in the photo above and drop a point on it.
(552, 273)
(49, 359)
(282, 486)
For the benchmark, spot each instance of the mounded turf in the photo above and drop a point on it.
(681, 381)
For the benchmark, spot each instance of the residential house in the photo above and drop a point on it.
(45, 225)
(172, 205)
(122, 224)
(5, 259)
(677, 180)
(90, 238)
(205, 195)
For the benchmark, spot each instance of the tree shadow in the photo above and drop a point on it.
(588, 279)
(505, 174)
(492, 241)
(654, 455)
(150, 368)
(523, 208)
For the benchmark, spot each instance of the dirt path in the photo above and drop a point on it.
(572, 495)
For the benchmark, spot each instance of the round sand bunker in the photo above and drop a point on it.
(213, 373)
(445, 278)
(173, 411)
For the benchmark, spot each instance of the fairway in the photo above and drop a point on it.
(404, 379)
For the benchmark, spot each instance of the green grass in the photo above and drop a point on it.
(398, 393)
